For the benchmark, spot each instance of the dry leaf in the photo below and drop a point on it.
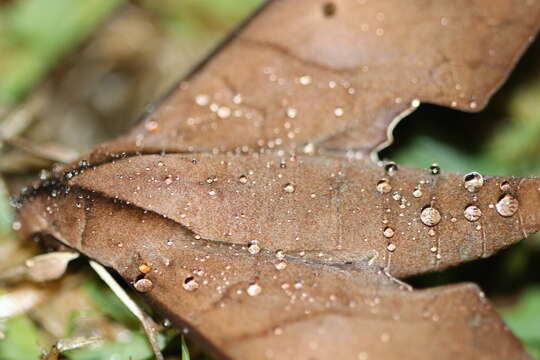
(299, 73)
(286, 256)
(41, 268)
(244, 249)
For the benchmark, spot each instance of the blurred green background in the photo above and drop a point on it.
(75, 73)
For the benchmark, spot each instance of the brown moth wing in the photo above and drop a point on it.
(264, 306)
(336, 74)
(325, 209)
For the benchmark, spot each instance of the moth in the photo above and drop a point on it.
(250, 208)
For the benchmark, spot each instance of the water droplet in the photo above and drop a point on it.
(223, 112)
(472, 213)
(417, 193)
(391, 168)
(430, 216)
(309, 148)
(473, 181)
(143, 285)
(190, 284)
(435, 169)
(338, 112)
(505, 186)
(383, 186)
(253, 247)
(237, 99)
(391, 247)
(243, 179)
(202, 99)
(305, 80)
(388, 232)
(199, 272)
(289, 188)
(214, 107)
(254, 289)
(16, 226)
(507, 205)
(291, 112)
(473, 104)
(415, 103)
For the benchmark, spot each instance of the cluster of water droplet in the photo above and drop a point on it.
(506, 206)
(430, 215)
